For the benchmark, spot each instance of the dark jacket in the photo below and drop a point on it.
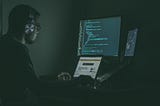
(16, 69)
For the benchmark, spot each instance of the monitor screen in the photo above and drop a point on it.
(99, 36)
(131, 41)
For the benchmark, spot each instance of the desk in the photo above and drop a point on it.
(82, 96)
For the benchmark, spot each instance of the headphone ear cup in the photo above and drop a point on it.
(29, 28)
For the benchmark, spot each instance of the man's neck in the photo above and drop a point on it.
(21, 40)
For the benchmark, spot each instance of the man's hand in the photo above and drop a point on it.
(64, 76)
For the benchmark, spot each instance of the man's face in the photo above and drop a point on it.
(31, 37)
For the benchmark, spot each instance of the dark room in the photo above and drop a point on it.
(79, 53)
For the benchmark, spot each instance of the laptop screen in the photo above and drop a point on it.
(87, 66)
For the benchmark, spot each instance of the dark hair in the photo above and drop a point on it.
(18, 17)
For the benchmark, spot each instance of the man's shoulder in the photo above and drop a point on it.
(12, 45)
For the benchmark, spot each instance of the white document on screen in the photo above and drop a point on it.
(87, 66)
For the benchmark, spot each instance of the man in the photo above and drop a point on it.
(16, 69)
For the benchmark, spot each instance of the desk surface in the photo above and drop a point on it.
(67, 92)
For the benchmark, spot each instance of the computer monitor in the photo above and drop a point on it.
(99, 36)
(131, 42)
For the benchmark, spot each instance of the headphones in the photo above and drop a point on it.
(30, 25)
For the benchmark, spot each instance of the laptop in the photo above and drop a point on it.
(87, 66)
